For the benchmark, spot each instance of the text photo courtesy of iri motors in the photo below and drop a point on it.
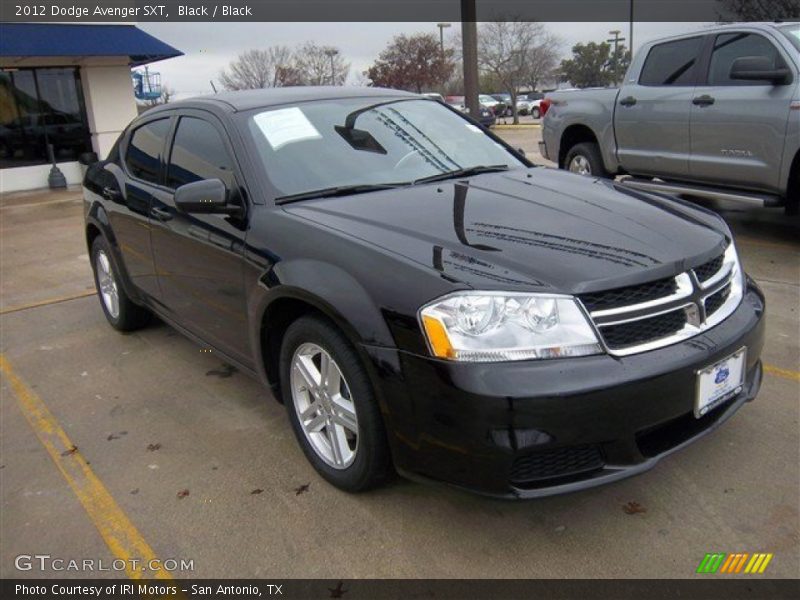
(381, 300)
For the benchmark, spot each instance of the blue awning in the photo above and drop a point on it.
(50, 39)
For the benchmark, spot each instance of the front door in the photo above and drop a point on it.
(738, 138)
(131, 198)
(199, 257)
(651, 118)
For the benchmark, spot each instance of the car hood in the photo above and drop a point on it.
(539, 229)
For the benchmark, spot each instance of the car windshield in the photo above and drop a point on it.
(793, 33)
(369, 142)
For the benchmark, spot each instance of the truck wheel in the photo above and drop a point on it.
(120, 311)
(585, 159)
(332, 406)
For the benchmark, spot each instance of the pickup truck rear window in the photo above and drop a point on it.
(672, 63)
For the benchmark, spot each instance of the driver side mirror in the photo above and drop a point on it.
(758, 68)
(207, 196)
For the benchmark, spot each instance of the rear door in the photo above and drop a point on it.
(199, 257)
(651, 118)
(738, 133)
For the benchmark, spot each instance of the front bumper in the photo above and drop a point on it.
(536, 428)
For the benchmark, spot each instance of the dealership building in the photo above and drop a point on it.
(69, 87)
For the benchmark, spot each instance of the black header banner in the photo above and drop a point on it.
(83, 11)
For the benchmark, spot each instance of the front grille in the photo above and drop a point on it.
(556, 462)
(633, 294)
(642, 331)
(707, 270)
(717, 299)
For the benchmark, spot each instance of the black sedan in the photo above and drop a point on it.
(419, 296)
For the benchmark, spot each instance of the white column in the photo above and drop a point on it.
(110, 104)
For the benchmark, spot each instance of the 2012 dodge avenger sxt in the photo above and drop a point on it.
(418, 295)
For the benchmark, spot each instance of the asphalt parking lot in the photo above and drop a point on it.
(145, 440)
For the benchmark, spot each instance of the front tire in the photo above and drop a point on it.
(585, 159)
(120, 311)
(332, 406)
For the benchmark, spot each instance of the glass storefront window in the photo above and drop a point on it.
(40, 107)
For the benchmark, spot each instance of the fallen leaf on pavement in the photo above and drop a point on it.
(631, 508)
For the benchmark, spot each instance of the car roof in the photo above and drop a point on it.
(719, 28)
(250, 99)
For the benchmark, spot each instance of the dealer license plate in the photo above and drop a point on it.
(720, 382)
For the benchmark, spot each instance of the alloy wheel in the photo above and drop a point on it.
(324, 406)
(107, 284)
(580, 165)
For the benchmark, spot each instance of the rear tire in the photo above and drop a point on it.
(585, 159)
(332, 406)
(536, 112)
(120, 311)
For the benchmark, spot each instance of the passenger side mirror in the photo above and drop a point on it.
(208, 196)
(758, 68)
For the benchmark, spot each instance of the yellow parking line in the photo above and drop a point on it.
(785, 373)
(119, 534)
(56, 300)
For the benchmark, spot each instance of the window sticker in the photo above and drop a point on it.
(284, 126)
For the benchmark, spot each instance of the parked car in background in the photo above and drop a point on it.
(504, 99)
(498, 108)
(418, 295)
(434, 95)
(714, 114)
(486, 117)
(535, 101)
(523, 107)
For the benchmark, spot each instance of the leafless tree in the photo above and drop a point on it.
(314, 63)
(504, 52)
(543, 60)
(257, 69)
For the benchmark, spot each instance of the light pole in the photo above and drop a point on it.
(469, 46)
(330, 53)
(442, 27)
(616, 40)
(630, 31)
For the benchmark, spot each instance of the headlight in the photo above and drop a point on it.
(497, 326)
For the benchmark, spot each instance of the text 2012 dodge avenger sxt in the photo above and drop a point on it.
(418, 295)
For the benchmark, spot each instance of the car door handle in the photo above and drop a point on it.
(160, 213)
(629, 101)
(704, 100)
(110, 193)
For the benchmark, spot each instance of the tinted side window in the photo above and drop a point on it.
(729, 47)
(198, 152)
(672, 63)
(143, 156)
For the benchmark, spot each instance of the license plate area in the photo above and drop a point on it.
(720, 382)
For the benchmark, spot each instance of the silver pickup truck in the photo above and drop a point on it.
(714, 113)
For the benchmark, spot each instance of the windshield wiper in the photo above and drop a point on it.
(339, 190)
(468, 172)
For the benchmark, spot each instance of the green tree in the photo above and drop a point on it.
(590, 65)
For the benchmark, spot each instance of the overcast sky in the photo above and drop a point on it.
(209, 47)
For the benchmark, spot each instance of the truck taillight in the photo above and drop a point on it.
(544, 106)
